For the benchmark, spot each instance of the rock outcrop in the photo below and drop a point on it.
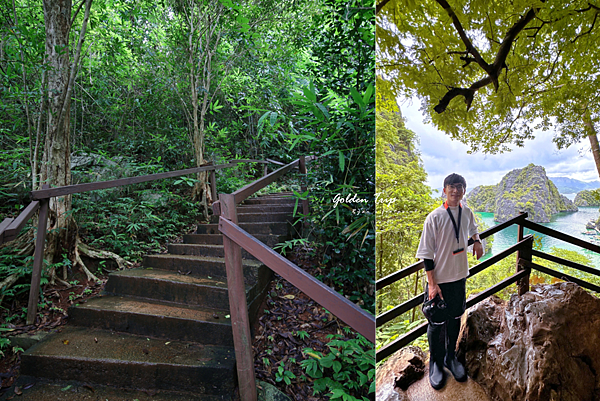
(542, 346)
(483, 198)
(528, 190)
(397, 373)
(587, 198)
(404, 377)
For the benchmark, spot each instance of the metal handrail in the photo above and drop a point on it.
(10, 228)
(234, 239)
(525, 252)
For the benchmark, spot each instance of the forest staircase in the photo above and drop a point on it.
(164, 327)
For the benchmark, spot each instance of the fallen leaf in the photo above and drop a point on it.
(289, 296)
(89, 387)
(18, 391)
(95, 339)
(66, 388)
(66, 342)
(28, 386)
(168, 342)
(227, 316)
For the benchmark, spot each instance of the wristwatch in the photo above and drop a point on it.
(476, 240)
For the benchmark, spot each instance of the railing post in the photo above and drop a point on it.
(303, 187)
(213, 185)
(523, 255)
(266, 170)
(240, 322)
(38, 260)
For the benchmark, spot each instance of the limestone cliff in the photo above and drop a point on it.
(527, 189)
(541, 346)
(587, 198)
(483, 199)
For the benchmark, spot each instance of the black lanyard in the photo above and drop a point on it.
(456, 228)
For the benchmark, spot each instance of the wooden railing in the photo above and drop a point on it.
(524, 264)
(10, 228)
(234, 239)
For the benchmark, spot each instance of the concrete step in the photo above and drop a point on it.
(270, 200)
(273, 228)
(37, 389)
(260, 217)
(217, 239)
(215, 251)
(200, 265)
(170, 286)
(154, 318)
(131, 361)
(265, 208)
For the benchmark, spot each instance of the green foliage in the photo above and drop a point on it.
(283, 247)
(422, 54)
(132, 226)
(403, 202)
(344, 371)
(391, 331)
(284, 375)
(20, 266)
(587, 198)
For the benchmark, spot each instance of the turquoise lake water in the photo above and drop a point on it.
(569, 223)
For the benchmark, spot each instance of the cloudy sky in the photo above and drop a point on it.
(443, 156)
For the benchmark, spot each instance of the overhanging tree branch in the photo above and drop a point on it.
(492, 70)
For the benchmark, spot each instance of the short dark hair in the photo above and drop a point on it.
(455, 179)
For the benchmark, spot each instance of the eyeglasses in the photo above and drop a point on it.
(457, 187)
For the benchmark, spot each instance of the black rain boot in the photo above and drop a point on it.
(437, 375)
(450, 361)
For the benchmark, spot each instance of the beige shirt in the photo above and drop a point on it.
(438, 242)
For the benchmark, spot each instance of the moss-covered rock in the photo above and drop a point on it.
(588, 198)
(521, 190)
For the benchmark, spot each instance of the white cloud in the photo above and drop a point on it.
(442, 156)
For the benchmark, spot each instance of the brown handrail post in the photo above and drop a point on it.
(38, 260)
(303, 187)
(523, 255)
(213, 185)
(265, 170)
(240, 322)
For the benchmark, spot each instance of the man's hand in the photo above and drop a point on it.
(435, 290)
(478, 249)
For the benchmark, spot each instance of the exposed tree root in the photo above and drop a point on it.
(83, 249)
(8, 282)
(24, 245)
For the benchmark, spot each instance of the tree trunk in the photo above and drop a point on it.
(56, 161)
(57, 150)
(203, 39)
(591, 132)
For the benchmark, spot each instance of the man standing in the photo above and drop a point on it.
(446, 233)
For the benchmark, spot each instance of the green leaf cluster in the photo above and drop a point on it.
(344, 371)
(403, 202)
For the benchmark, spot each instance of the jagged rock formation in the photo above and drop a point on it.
(397, 373)
(544, 345)
(405, 377)
(483, 198)
(528, 190)
(587, 198)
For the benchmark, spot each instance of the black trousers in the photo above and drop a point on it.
(443, 336)
(454, 294)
